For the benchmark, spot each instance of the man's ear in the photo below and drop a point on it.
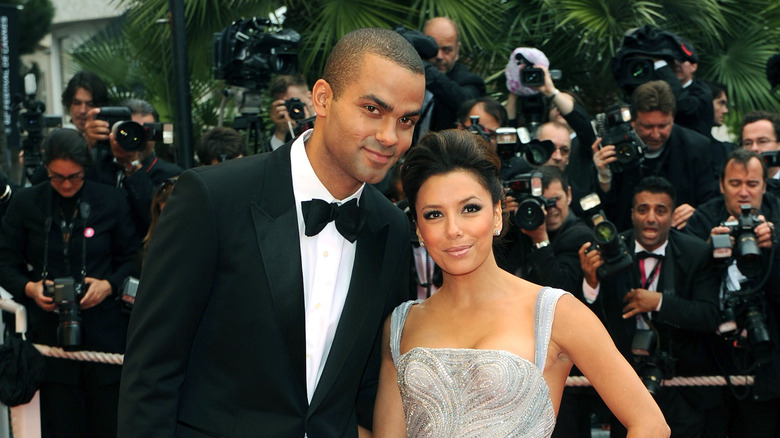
(322, 96)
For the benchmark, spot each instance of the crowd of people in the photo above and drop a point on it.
(338, 285)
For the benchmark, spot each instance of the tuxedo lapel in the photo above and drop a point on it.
(276, 228)
(364, 300)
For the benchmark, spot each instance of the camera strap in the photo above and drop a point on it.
(66, 227)
(646, 279)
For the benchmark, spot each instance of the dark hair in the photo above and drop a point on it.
(656, 185)
(65, 144)
(160, 197)
(491, 106)
(348, 55)
(279, 85)
(755, 116)
(142, 107)
(653, 96)
(743, 156)
(90, 82)
(218, 142)
(716, 88)
(442, 152)
(550, 174)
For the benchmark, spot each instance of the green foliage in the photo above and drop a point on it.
(34, 22)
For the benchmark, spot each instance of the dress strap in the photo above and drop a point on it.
(397, 321)
(543, 320)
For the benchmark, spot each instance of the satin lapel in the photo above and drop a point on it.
(365, 299)
(276, 229)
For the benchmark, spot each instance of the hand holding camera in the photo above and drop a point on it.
(640, 301)
(35, 290)
(97, 291)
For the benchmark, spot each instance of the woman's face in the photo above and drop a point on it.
(66, 176)
(456, 219)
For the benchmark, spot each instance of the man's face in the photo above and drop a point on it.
(560, 137)
(558, 214)
(81, 103)
(652, 218)
(486, 120)
(124, 156)
(743, 185)
(368, 127)
(720, 105)
(759, 136)
(446, 37)
(653, 127)
(684, 70)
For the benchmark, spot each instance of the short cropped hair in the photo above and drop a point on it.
(653, 96)
(220, 142)
(90, 82)
(656, 185)
(442, 152)
(279, 85)
(743, 156)
(142, 107)
(755, 116)
(347, 55)
(65, 144)
(550, 174)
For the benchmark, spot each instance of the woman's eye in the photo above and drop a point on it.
(433, 214)
(472, 208)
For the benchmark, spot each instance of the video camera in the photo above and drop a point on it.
(247, 52)
(745, 249)
(614, 128)
(608, 242)
(67, 294)
(33, 122)
(130, 135)
(531, 76)
(527, 190)
(633, 64)
(651, 363)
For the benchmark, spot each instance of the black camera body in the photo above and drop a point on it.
(771, 158)
(607, 241)
(745, 249)
(743, 320)
(130, 135)
(531, 76)
(295, 108)
(651, 363)
(527, 190)
(614, 127)
(67, 294)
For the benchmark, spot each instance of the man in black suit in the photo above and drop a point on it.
(670, 291)
(253, 320)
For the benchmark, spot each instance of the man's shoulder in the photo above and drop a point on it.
(687, 140)
(687, 242)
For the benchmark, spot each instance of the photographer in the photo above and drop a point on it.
(670, 292)
(289, 93)
(750, 411)
(137, 171)
(664, 149)
(63, 228)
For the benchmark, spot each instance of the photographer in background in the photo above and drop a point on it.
(220, 144)
(84, 92)
(291, 106)
(63, 228)
(136, 171)
(720, 105)
(745, 411)
(673, 152)
(668, 300)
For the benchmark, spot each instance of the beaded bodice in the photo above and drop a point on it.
(458, 392)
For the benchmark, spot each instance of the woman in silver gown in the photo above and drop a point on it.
(489, 353)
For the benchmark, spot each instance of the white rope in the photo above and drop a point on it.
(84, 356)
(680, 381)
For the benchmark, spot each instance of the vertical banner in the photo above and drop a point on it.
(9, 72)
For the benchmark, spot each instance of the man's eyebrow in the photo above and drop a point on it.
(389, 108)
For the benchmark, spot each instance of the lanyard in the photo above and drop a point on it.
(646, 282)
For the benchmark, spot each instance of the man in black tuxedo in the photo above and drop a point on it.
(253, 320)
(670, 291)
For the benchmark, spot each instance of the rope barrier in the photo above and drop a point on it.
(117, 359)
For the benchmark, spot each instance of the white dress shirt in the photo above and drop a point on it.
(326, 260)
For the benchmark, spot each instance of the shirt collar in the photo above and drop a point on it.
(661, 250)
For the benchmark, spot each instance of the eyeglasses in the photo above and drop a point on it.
(761, 142)
(76, 177)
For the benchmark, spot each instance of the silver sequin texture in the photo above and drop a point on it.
(456, 392)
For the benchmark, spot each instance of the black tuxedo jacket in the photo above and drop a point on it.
(690, 302)
(216, 344)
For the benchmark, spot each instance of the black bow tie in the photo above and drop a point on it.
(645, 254)
(349, 218)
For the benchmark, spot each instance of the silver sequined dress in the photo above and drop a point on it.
(460, 392)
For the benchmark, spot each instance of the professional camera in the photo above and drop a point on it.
(614, 127)
(477, 129)
(67, 294)
(745, 249)
(633, 64)
(609, 243)
(127, 293)
(510, 144)
(531, 76)
(771, 158)
(295, 108)
(130, 135)
(650, 361)
(527, 190)
(247, 52)
(743, 321)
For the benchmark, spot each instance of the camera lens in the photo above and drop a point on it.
(625, 153)
(640, 69)
(295, 108)
(539, 152)
(529, 214)
(604, 233)
(652, 377)
(130, 135)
